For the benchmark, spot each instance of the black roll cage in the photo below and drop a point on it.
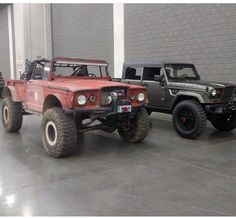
(30, 67)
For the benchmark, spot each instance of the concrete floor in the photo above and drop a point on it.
(165, 175)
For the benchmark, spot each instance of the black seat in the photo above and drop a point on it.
(131, 74)
(38, 73)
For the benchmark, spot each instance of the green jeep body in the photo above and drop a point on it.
(170, 84)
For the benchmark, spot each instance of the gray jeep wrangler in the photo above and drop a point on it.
(176, 88)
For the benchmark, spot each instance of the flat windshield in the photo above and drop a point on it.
(181, 72)
(68, 69)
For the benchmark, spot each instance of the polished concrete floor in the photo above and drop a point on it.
(164, 175)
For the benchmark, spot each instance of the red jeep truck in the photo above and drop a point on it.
(74, 96)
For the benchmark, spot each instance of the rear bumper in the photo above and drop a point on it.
(221, 108)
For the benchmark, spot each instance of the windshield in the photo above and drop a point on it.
(181, 72)
(67, 69)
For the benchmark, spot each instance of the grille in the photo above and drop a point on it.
(228, 93)
(121, 92)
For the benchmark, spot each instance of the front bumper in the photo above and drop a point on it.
(88, 111)
(103, 112)
(118, 107)
(221, 108)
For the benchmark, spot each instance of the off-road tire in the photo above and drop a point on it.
(65, 131)
(225, 122)
(140, 128)
(12, 116)
(1, 92)
(199, 116)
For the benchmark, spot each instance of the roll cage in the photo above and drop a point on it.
(46, 66)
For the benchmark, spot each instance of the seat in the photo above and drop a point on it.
(38, 73)
(131, 74)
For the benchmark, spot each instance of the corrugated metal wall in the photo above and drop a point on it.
(204, 34)
(83, 30)
(4, 43)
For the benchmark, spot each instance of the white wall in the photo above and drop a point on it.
(31, 36)
(118, 29)
(32, 33)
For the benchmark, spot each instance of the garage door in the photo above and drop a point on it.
(204, 34)
(83, 30)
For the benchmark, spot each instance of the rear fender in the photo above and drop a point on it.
(10, 91)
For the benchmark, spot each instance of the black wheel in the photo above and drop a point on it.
(58, 132)
(225, 122)
(189, 119)
(11, 115)
(136, 129)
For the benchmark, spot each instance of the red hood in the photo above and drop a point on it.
(75, 85)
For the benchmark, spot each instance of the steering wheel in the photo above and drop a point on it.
(92, 75)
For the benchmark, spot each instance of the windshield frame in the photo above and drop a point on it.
(174, 65)
(69, 64)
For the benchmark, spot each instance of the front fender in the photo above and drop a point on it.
(64, 99)
(185, 95)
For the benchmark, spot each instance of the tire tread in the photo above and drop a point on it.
(67, 133)
(15, 115)
(201, 115)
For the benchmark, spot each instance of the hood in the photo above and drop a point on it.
(199, 84)
(75, 85)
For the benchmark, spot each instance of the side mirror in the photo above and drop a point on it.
(158, 78)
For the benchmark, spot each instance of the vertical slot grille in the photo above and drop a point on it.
(228, 93)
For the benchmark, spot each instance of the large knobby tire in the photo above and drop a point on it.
(58, 133)
(225, 122)
(12, 116)
(189, 119)
(1, 91)
(135, 130)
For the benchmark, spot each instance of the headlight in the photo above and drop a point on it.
(92, 98)
(213, 92)
(141, 97)
(108, 99)
(114, 95)
(81, 100)
(132, 97)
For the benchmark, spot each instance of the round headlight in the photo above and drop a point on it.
(132, 97)
(114, 95)
(213, 92)
(92, 98)
(81, 99)
(141, 97)
(108, 99)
